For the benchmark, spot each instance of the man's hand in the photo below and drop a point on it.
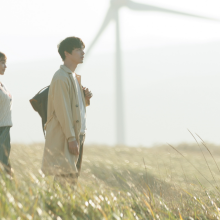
(73, 148)
(88, 94)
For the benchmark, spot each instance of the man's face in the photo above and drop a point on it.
(76, 56)
(2, 66)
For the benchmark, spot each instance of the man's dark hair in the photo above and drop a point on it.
(68, 45)
(2, 57)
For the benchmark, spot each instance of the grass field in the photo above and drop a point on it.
(117, 183)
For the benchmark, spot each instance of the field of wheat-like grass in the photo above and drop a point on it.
(117, 183)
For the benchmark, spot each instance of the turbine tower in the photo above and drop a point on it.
(113, 14)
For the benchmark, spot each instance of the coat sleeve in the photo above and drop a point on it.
(62, 106)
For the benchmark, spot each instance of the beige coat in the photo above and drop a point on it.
(63, 122)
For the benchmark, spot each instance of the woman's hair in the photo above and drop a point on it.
(2, 56)
(68, 45)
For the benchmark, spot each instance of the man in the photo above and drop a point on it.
(66, 123)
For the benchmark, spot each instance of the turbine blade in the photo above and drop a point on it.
(144, 7)
(108, 18)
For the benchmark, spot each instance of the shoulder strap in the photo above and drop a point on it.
(42, 89)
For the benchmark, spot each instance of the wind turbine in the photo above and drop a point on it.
(113, 14)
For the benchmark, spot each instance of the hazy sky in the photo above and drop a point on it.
(31, 29)
(171, 67)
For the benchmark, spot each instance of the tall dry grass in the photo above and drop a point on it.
(164, 182)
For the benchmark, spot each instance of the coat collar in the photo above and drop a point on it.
(67, 70)
(78, 77)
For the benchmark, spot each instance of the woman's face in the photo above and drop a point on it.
(2, 66)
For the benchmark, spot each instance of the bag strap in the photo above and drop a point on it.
(42, 89)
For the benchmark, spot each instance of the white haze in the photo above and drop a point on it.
(167, 91)
(171, 68)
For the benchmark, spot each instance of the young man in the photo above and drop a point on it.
(66, 116)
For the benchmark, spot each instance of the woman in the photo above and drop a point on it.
(5, 118)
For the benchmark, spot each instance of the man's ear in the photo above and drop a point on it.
(66, 53)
